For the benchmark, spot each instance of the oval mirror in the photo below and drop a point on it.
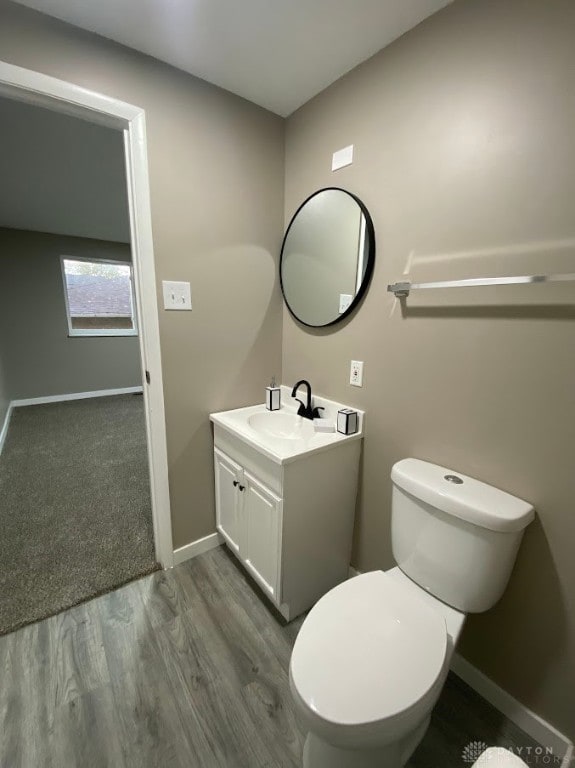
(327, 257)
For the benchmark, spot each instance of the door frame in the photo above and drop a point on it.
(49, 92)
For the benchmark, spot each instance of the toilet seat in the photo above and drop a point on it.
(370, 653)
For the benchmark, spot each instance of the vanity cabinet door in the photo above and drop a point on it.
(229, 478)
(261, 546)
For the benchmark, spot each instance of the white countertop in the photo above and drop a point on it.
(285, 445)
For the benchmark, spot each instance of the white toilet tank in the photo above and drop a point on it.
(455, 536)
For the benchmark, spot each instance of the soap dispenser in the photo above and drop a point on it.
(273, 396)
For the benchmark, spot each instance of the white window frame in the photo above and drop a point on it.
(99, 331)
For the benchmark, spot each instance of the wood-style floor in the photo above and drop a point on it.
(187, 667)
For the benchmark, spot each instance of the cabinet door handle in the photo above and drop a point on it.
(242, 487)
(236, 483)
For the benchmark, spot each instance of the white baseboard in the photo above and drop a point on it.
(5, 426)
(76, 396)
(60, 399)
(518, 713)
(197, 547)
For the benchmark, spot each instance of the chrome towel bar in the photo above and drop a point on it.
(402, 290)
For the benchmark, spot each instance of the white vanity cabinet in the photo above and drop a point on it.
(249, 517)
(262, 516)
(289, 520)
(229, 475)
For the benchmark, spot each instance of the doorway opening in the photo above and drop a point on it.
(109, 299)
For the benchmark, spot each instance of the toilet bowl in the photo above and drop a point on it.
(372, 655)
(385, 648)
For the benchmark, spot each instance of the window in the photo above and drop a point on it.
(99, 297)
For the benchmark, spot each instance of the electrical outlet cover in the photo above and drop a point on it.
(356, 373)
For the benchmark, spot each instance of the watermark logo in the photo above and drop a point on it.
(478, 752)
(473, 751)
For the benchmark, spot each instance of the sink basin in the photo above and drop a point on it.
(282, 435)
(287, 426)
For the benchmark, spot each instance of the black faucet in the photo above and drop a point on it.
(305, 410)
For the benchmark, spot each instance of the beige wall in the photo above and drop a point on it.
(216, 176)
(40, 359)
(464, 139)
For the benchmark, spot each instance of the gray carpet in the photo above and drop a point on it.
(75, 513)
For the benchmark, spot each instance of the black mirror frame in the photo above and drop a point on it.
(370, 233)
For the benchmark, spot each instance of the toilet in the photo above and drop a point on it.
(372, 655)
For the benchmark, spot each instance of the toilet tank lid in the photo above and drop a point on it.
(470, 500)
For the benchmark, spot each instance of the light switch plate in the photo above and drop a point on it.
(177, 295)
(342, 157)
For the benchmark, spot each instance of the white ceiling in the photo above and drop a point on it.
(61, 175)
(276, 53)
